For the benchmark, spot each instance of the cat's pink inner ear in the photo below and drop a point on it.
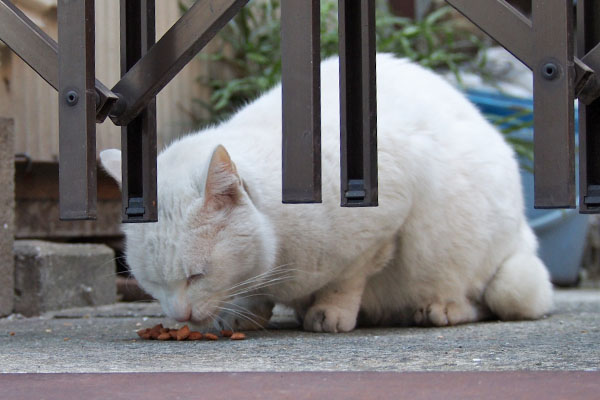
(223, 184)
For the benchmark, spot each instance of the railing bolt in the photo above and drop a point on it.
(550, 71)
(72, 97)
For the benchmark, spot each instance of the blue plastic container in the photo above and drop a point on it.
(561, 233)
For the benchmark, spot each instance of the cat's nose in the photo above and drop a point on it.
(184, 316)
(179, 312)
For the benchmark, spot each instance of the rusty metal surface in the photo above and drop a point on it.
(138, 138)
(301, 107)
(77, 109)
(358, 104)
(309, 385)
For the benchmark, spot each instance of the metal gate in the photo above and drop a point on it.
(544, 41)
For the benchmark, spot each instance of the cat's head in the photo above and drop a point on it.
(209, 239)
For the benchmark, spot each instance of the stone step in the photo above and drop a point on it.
(54, 276)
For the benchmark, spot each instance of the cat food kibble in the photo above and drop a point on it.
(183, 333)
(226, 333)
(159, 332)
(238, 336)
(195, 336)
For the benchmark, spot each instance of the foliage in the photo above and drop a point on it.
(512, 127)
(250, 46)
(251, 49)
(436, 42)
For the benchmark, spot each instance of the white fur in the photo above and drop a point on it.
(448, 243)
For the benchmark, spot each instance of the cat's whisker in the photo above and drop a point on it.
(237, 307)
(241, 309)
(255, 282)
(116, 273)
(242, 314)
(253, 295)
(275, 270)
(218, 320)
(262, 278)
(262, 285)
(222, 321)
(114, 259)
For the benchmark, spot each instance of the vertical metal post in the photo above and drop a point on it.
(138, 138)
(544, 44)
(553, 78)
(301, 107)
(77, 109)
(588, 27)
(358, 103)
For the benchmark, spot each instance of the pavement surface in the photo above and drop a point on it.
(104, 339)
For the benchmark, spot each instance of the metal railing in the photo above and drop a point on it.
(545, 43)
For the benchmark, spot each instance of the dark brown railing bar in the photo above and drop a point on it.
(552, 61)
(169, 55)
(587, 84)
(40, 52)
(358, 103)
(301, 107)
(77, 110)
(588, 23)
(138, 138)
(30, 43)
(553, 96)
(503, 22)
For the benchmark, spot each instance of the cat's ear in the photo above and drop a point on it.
(223, 184)
(111, 162)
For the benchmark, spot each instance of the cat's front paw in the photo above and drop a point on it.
(330, 319)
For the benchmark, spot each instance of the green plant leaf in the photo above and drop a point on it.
(250, 48)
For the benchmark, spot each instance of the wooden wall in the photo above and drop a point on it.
(32, 103)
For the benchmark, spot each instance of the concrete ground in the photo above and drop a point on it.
(104, 340)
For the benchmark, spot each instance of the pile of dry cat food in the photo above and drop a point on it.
(158, 332)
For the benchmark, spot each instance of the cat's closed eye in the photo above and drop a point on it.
(194, 278)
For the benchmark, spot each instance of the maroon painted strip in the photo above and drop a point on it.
(304, 385)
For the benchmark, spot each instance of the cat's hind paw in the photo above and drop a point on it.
(444, 314)
(329, 319)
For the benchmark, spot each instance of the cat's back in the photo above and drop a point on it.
(427, 132)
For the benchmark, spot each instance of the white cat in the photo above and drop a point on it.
(448, 244)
